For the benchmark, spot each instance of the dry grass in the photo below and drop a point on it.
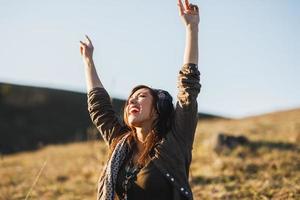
(70, 173)
(267, 169)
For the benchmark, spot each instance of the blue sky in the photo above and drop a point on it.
(249, 50)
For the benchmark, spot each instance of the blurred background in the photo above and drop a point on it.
(249, 64)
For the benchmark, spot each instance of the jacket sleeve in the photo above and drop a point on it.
(186, 110)
(103, 116)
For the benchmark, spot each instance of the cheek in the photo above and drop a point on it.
(147, 108)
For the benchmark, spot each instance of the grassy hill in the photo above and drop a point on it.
(268, 167)
(31, 117)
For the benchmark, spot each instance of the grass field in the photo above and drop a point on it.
(267, 168)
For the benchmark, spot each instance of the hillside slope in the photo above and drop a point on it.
(268, 167)
(31, 117)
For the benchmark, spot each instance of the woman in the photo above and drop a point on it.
(150, 150)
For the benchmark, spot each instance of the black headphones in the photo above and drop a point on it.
(164, 103)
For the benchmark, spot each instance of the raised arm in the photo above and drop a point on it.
(185, 120)
(189, 14)
(86, 51)
(99, 104)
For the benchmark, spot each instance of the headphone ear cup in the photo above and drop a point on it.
(158, 107)
(164, 102)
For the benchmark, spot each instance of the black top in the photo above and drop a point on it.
(149, 184)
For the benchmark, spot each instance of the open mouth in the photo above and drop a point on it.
(134, 110)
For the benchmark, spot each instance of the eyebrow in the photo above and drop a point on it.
(139, 93)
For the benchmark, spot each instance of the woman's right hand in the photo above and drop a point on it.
(86, 49)
(189, 13)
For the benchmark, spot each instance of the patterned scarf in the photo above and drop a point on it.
(107, 181)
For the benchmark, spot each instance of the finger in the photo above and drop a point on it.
(194, 7)
(82, 47)
(191, 12)
(83, 44)
(180, 7)
(187, 4)
(87, 37)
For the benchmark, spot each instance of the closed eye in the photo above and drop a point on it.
(140, 95)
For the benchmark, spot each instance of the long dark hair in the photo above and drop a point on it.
(162, 103)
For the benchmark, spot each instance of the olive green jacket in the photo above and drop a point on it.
(173, 154)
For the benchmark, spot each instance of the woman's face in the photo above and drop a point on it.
(139, 110)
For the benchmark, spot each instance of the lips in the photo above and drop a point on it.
(134, 109)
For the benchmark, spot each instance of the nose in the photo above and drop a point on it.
(132, 100)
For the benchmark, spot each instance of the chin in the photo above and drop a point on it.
(134, 122)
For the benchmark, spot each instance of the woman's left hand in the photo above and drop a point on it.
(189, 13)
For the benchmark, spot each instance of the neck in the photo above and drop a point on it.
(142, 133)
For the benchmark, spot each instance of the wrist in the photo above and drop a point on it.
(88, 62)
(192, 27)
